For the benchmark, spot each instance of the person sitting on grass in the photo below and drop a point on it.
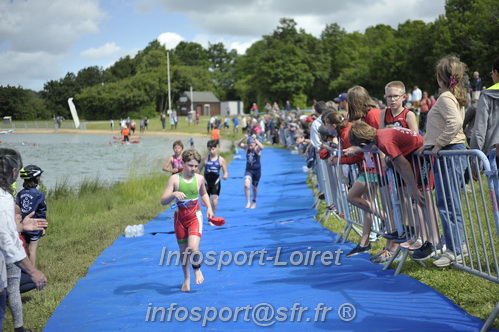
(186, 188)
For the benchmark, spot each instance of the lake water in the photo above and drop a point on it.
(75, 157)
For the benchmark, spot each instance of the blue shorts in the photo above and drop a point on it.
(253, 175)
(32, 236)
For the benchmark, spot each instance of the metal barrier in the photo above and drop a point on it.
(460, 215)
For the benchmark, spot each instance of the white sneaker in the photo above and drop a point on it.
(448, 258)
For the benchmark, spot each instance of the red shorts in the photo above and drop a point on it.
(188, 221)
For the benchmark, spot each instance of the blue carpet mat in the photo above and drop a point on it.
(131, 286)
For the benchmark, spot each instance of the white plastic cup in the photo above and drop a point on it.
(141, 230)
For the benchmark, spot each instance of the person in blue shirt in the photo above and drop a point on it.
(30, 200)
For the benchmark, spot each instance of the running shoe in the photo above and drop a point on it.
(391, 236)
(401, 238)
(416, 245)
(423, 253)
(448, 258)
(408, 243)
(359, 250)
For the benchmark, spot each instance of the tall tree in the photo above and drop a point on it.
(222, 69)
(191, 54)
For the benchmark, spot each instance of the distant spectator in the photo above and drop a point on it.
(424, 108)
(163, 121)
(476, 87)
(416, 98)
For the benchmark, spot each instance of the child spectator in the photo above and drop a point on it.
(174, 163)
(362, 107)
(31, 199)
(399, 144)
(186, 188)
(396, 115)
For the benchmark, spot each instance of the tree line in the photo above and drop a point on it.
(288, 64)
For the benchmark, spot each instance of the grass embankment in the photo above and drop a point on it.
(82, 223)
(474, 294)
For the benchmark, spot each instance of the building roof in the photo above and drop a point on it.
(202, 96)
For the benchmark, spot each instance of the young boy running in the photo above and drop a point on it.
(212, 165)
(186, 188)
(253, 171)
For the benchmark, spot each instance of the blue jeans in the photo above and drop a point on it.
(448, 181)
(2, 307)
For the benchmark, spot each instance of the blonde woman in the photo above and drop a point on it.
(444, 132)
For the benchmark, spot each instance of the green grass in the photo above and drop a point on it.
(81, 226)
(474, 294)
(84, 221)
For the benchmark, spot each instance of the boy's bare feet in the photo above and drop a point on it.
(186, 286)
(199, 276)
(253, 205)
(248, 205)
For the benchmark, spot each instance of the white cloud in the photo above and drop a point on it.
(170, 39)
(37, 36)
(109, 50)
(254, 18)
(47, 25)
(29, 70)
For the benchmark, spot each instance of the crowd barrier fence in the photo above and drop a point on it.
(460, 212)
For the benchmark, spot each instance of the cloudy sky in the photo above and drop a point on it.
(42, 40)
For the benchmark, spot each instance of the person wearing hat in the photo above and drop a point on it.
(253, 171)
(342, 101)
(30, 200)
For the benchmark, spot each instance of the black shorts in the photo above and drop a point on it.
(213, 185)
(254, 175)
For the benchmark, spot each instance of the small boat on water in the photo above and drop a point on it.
(123, 142)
